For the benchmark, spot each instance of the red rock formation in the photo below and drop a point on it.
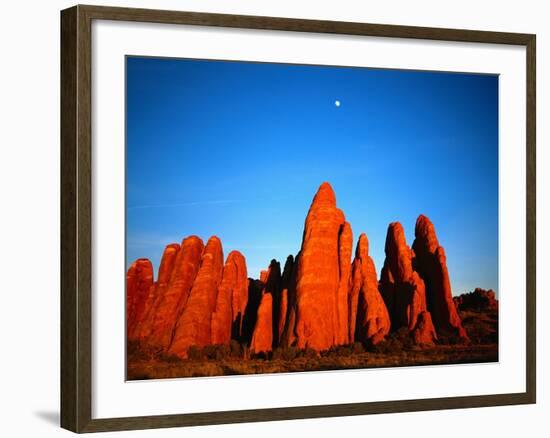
(255, 288)
(230, 296)
(283, 309)
(424, 331)
(239, 285)
(286, 280)
(345, 249)
(402, 288)
(145, 325)
(139, 280)
(318, 273)
(194, 327)
(262, 339)
(288, 336)
(273, 287)
(431, 264)
(372, 321)
(170, 304)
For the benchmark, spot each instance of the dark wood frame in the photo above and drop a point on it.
(76, 237)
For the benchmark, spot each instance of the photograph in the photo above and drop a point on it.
(285, 218)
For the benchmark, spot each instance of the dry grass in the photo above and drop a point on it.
(158, 368)
(398, 350)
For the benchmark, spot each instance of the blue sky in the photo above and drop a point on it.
(239, 149)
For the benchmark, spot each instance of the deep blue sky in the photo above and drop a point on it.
(239, 149)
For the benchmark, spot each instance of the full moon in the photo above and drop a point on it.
(337, 103)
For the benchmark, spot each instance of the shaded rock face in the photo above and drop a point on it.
(273, 287)
(286, 280)
(231, 300)
(424, 330)
(431, 263)
(194, 327)
(403, 289)
(255, 288)
(262, 339)
(370, 320)
(266, 326)
(169, 306)
(139, 281)
(318, 273)
(288, 335)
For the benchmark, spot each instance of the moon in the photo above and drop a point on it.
(337, 103)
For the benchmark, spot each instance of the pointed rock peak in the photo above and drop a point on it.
(194, 240)
(235, 257)
(167, 262)
(424, 232)
(362, 249)
(396, 235)
(142, 263)
(171, 248)
(213, 244)
(325, 195)
(398, 253)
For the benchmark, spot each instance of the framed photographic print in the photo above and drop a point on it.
(270, 218)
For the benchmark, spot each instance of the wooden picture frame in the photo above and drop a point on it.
(76, 218)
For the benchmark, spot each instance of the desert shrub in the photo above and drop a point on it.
(285, 353)
(196, 353)
(395, 343)
(136, 350)
(263, 355)
(169, 358)
(217, 352)
(308, 353)
(236, 349)
(357, 348)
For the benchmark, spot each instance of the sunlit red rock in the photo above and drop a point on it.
(403, 289)
(398, 253)
(195, 323)
(170, 304)
(232, 296)
(372, 321)
(318, 273)
(145, 324)
(238, 279)
(431, 263)
(262, 339)
(345, 249)
(139, 280)
(283, 309)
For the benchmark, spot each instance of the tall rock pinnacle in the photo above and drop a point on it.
(369, 317)
(318, 273)
(170, 304)
(431, 263)
(139, 281)
(403, 289)
(231, 300)
(194, 327)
